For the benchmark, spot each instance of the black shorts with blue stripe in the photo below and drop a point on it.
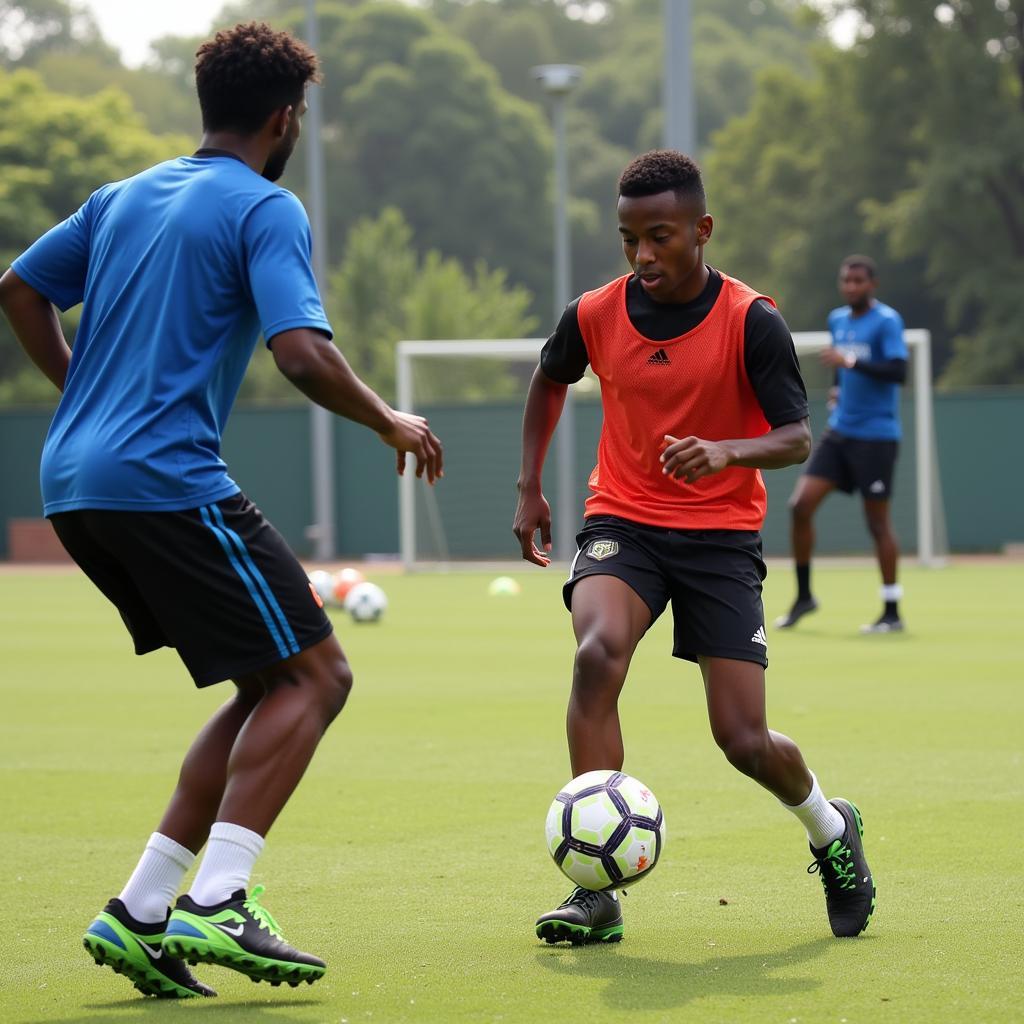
(217, 583)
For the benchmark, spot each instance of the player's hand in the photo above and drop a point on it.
(691, 458)
(833, 398)
(833, 357)
(410, 435)
(532, 514)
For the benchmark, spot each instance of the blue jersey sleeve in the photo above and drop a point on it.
(890, 339)
(58, 263)
(278, 247)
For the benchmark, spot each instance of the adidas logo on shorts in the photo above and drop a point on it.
(759, 637)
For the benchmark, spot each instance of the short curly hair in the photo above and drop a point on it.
(866, 263)
(247, 72)
(662, 170)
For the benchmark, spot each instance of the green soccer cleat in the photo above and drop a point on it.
(845, 875)
(238, 933)
(133, 949)
(586, 916)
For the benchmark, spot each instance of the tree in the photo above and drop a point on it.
(375, 303)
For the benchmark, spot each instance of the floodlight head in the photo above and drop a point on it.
(557, 79)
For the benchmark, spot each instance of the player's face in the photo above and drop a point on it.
(857, 286)
(278, 159)
(663, 239)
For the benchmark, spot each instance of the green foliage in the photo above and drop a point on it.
(909, 146)
(382, 293)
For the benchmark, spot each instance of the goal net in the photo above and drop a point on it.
(473, 392)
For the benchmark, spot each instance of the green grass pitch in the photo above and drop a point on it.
(412, 857)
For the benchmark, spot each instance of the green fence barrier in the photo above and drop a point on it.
(267, 450)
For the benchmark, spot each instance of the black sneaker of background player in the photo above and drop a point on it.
(844, 872)
(238, 933)
(133, 949)
(888, 623)
(586, 916)
(801, 607)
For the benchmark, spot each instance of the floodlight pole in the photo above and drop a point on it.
(558, 80)
(679, 103)
(321, 422)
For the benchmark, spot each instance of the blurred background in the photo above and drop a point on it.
(890, 127)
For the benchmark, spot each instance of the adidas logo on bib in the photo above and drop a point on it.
(660, 358)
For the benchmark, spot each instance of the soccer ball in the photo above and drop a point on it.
(323, 583)
(605, 830)
(344, 581)
(366, 602)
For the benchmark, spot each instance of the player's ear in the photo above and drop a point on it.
(705, 225)
(281, 121)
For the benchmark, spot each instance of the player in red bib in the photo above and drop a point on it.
(701, 390)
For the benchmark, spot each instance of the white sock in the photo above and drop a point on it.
(892, 591)
(822, 821)
(227, 864)
(156, 879)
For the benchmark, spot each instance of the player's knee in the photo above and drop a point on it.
(336, 685)
(598, 663)
(878, 527)
(800, 508)
(745, 749)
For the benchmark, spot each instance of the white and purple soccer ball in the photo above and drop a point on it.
(605, 830)
(366, 602)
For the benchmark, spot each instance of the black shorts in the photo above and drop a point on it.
(712, 577)
(217, 583)
(852, 464)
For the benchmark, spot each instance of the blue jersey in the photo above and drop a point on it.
(178, 270)
(868, 408)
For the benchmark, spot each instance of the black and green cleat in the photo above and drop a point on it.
(586, 916)
(845, 875)
(116, 940)
(238, 933)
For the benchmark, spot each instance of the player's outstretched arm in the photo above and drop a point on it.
(690, 458)
(313, 363)
(544, 403)
(34, 321)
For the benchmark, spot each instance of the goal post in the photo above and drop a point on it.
(427, 537)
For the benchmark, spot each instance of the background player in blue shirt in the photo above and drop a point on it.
(179, 269)
(858, 451)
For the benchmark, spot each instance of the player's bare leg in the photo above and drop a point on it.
(608, 618)
(887, 551)
(217, 921)
(735, 693)
(809, 493)
(194, 803)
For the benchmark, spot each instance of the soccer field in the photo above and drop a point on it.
(412, 857)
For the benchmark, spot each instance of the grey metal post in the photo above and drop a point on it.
(321, 426)
(558, 81)
(679, 103)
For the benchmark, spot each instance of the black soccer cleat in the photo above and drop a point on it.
(586, 916)
(887, 623)
(133, 949)
(845, 875)
(801, 607)
(238, 933)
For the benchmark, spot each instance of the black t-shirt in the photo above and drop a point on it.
(768, 351)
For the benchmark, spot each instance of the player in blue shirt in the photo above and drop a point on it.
(858, 451)
(179, 269)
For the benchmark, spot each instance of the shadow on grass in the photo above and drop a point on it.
(638, 984)
(258, 1011)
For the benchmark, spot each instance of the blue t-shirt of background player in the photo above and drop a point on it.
(868, 408)
(179, 269)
